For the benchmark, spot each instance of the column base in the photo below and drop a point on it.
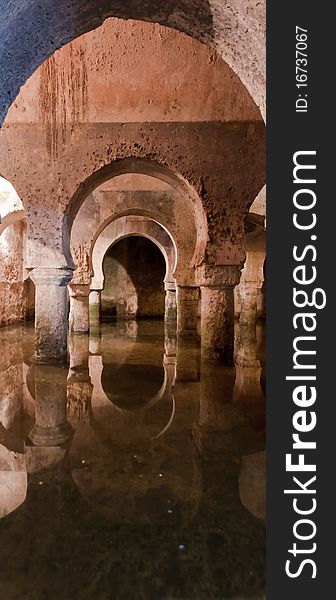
(53, 436)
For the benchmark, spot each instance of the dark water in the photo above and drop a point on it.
(155, 492)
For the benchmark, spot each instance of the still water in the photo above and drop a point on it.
(137, 472)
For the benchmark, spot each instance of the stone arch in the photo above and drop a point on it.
(13, 217)
(141, 166)
(11, 206)
(86, 137)
(122, 228)
(235, 29)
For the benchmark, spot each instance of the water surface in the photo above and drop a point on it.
(158, 492)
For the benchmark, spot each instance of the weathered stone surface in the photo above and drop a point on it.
(95, 122)
(187, 298)
(217, 323)
(79, 308)
(78, 144)
(131, 226)
(136, 199)
(51, 310)
(249, 301)
(12, 291)
(29, 34)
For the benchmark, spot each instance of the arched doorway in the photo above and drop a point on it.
(134, 271)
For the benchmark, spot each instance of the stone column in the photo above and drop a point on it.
(249, 291)
(95, 306)
(51, 313)
(170, 316)
(217, 311)
(187, 307)
(51, 425)
(79, 307)
(246, 349)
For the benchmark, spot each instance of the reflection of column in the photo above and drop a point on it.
(223, 420)
(216, 411)
(249, 398)
(95, 342)
(95, 306)
(51, 306)
(216, 434)
(51, 425)
(131, 329)
(217, 311)
(79, 308)
(79, 387)
(187, 307)
(247, 386)
(170, 341)
(252, 483)
(188, 359)
(169, 365)
(170, 303)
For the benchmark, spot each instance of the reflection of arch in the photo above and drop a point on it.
(125, 227)
(101, 403)
(13, 480)
(142, 166)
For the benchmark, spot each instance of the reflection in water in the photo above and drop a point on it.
(141, 475)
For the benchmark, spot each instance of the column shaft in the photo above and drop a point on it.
(187, 307)
(170, 304)
(217, 310)
(217, 323)
(248, 295)
(79, 308)
(95, 306)
(51, 308)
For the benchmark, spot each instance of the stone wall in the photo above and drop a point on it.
(135, 195)
(30, 32)
(102, 99)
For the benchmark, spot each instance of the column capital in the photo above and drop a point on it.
(188, 292)
(57, 277)
(79, 290)
(250, 285)
(218, 276)
(170, 286)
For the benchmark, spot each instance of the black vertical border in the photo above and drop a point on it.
(288, 132)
